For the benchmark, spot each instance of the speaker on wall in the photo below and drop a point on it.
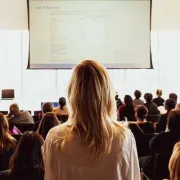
(7, 94)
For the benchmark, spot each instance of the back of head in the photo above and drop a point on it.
(93, 107)
(174, 163)
(173, 96)
(62, 102)
(174, 121)
(128, 101)
(170, 104)
(141, 112)
(28, 155)
(137, 94)
(6, 141)
(148, 97)
(48, 121)
(14, 109)
(159, 92)
(47, 107)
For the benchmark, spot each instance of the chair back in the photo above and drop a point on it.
(62, 118)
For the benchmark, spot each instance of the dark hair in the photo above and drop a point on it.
(6, 140)
(128, 101)
(48, 121)
(47, 107)
(141, 112)
(170, 104)
(62, 102)
(137, 94)
(27, 159)
(148, 97)
(159, 92)
(173, 96)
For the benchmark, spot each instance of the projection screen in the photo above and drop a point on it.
(114, 32)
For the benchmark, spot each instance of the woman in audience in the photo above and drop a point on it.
(91, 144)
(62, 108)
(7, 143)
(174, 163)
(48, 121)
(159, 101)
(27, 161)
(137, 100)
(141, 123)
(127, 110)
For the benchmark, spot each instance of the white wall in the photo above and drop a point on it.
(34, 86)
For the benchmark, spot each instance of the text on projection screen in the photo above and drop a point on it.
(115, 33)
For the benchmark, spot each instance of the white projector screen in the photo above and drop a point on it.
(114, 32)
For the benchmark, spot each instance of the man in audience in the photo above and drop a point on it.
(173, 96)
(137, 100)
(17, 117)
(153, 111)
(161, 124)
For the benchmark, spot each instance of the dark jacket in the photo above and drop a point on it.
(162, 122)
(158, 101)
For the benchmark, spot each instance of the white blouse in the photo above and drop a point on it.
(75, 163)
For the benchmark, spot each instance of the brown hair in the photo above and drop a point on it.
(141, 112)
(47, 107)
(92, 108)
(159, 92)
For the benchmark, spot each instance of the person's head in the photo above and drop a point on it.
(128, 101)
(174, 163)
(141, 112)
(159, 92)
(174, 121)
(173, 96)
(62, 102)
(137, 94)
(48, 121)
(28, 154)
(6, 141)
(148, 97)
(170, 104)
(93, 108)
(47, 107)
(14, 109)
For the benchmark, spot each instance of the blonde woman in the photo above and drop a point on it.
(91, 145)
(174, 163)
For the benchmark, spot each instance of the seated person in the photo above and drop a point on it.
(162, 122)
(62, 108)
(27, 161)
(174, 163)
(17, 117)
(48, 121)
(153, 111)
(173, 96)
(137, 100)
(46, 107)
(159, 101)
(7, 143)
(141, 124)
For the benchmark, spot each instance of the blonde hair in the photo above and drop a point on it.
(174, 163)
(92, 108)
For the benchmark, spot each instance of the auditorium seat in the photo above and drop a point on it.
(37, 118)
(62, 118)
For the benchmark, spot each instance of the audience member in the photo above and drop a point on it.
(92, 144)
(137, 100)
(173, 96)
(146, 127)
(164, 142)
(17, 117)
(48, 121)
(127, 110)
(7, 143)
(118, 101)
(174, 163)
(27, 161)
(159, 101)
(62, 108)
(162, 122)
(47, 107)
(152, 108)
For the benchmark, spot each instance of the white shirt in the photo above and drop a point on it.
(73, 163)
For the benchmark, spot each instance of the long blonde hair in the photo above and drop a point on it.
(174, 163)
(92, 108)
